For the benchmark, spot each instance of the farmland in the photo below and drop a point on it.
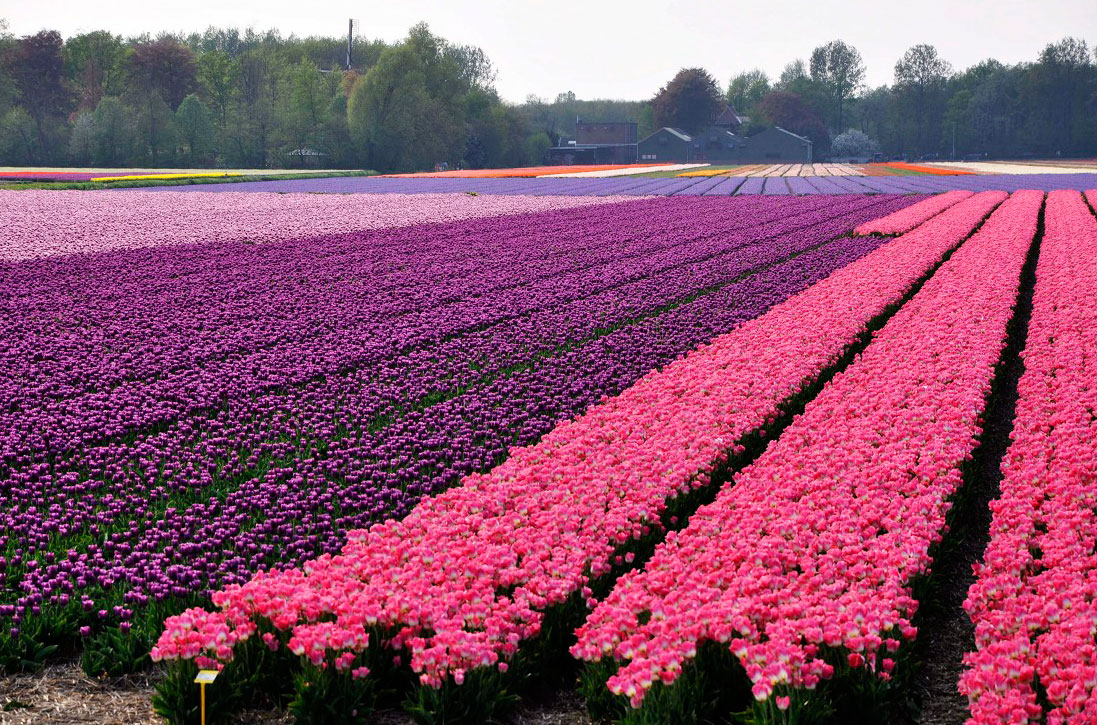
(688, 446)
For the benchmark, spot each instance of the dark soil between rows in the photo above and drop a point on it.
(947, 632)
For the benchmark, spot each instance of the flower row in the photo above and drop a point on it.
(468, 575)
(1034, 603)
(280, 314)
(278, 476)
(814, 546)
(906, 219)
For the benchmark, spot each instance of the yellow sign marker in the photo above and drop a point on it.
(205, 677)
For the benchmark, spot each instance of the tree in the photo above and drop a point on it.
(793, 72)
(164, 67)
(1065, 77)
(956, 118)
(82, 139)
(19, 138)
(155, 127)
(920, 77)
(689, 101)
(113, 132)
(384, 108)
(192, 119)
(95, 61)
(839, 68)
(39, 74)
(475, 68)
(853, 143)
(216, 74)
(746, 90)
(792, 113)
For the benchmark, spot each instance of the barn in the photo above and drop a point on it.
(666, 144)
(776, 145)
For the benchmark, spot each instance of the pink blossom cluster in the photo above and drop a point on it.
(816, 543)
(50, 223)
(1034, 603)
(468, 575)
(906, 219)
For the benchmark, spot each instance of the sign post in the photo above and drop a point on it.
(205, 677)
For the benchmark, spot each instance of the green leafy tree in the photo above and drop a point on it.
(113, 131)
(956, 122)
(689, 101)
(536, 145)
(216, 74)
(746, 90)
(96, 62)
(384, 107)
(838, 67)
(156, 133)
(19, 139)
(44, 93)
(1065, 78)
(920, 82)
(195, 126)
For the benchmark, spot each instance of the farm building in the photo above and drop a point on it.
(666, 144)
(776, 145)
(612, 142)
(716, 144)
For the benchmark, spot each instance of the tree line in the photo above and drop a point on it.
(228, 98)
(1047, 107)
(231, 99)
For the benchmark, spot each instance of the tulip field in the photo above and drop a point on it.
(432, 455)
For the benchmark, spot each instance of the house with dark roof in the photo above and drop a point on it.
(776, 146)
(666, 144)
(597, 142)
(716, 145)
(729, 119)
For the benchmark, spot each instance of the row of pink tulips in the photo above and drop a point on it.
(815, 545)
(54, 223)
(1033, 603)
(469, 574)
(906, 219)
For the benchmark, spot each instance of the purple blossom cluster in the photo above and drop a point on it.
(667, 186)
(177, 418)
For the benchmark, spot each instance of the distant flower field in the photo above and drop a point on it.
(696, 457)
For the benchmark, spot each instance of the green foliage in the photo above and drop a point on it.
(483, 697)
(114, 652)
(838, 67)
(278, 101)
(178, 699)
(113, 131)
(195, 126)
(396, 121)
(95, 63)
(324, 696)
(19, 140)
(747, 89)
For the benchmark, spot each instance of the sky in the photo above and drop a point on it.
(623, 50)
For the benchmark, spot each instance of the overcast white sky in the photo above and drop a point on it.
(617, 49)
